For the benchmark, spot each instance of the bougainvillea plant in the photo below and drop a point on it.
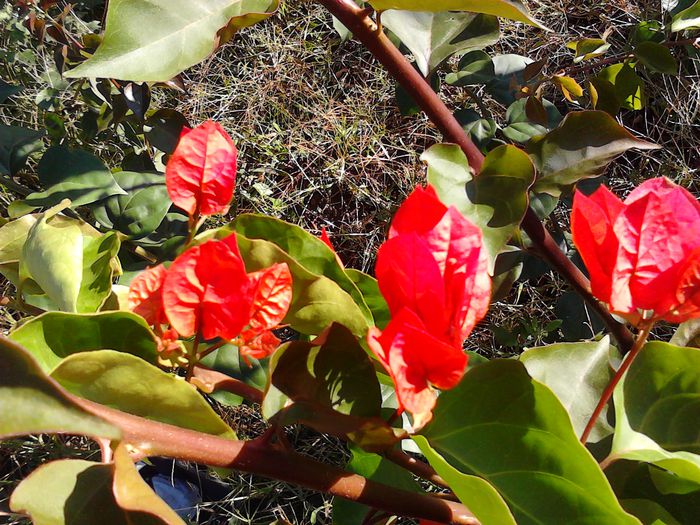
(136, 314)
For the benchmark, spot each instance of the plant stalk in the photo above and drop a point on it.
(366, 31)
(608, 392)
(155, 438)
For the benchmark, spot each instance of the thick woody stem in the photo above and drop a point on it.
(155, 438)
(365, 30)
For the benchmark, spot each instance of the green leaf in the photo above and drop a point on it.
(496, 200)
(69, 262)
(130, 384)
(656, 410)
(52, 257)
(629, 88)
(317, 301)
(72, 174)
(604, 96)
(16, 144)
(163, 129)
(7, 90)
(306, 249)
(656, 57)
(497, 407)
(577, 373)
(32, 403)
(687, 333)
(72, 491)
(154, 40)
(588, 48)
(512, 9)
(688, 18)
(141, 210)
(509, 75)
(433, 37)
(477, 494)
(53, 336)
(374, 467)
(580, 148)
(12, 238)
(369, 287)
(476, 67)
(227, 360)
(481, 130)
(649, 512)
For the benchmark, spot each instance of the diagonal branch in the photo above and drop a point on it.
(365, 30)
(266, 459)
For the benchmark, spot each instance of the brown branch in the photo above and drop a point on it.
(265, 459)
(364, 29)
(210, 381)
(420, 469)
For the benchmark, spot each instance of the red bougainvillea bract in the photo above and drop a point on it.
(643, 253)
(201, 173)
(432, 271)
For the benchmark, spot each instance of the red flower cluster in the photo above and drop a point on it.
(643, 254)
(207, 292)
(201, 172)
(432, 271)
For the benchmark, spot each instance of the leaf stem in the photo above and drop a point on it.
(420, 469)
(608, 392)
(218, 381)
(364, 29)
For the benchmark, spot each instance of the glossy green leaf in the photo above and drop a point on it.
(32, 403)
(16, 144)
(481, 130)
(139, 212)
(512, 9)
(72, 491)
(99, 266)
(657, 409)
(629, 88)
(580, 148)
(577, 373)
(8, 90)
(53, 336)
(588, 48)
(305, 248)
(604, 96)
(475, 67)
(497, 407)
(227, 360)
(508, 77)
(688, 18)
(72, 174)
(656, 57)
(130, 384)
(163, 129)
(374, 467)
(477, 494)
(317, 301)
(369, 287)
(496, 200)
(154, 40)
(432, 37)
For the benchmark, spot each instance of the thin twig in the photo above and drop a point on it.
(608, 392)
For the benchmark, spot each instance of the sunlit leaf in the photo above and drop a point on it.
(512, 9)
(581, 147)
(130, 384)
(629, 88)
(688, 18)
(32, 403)
(433, 37)
(154, 40)
(577, 373)
(53, 336)
(497, 407)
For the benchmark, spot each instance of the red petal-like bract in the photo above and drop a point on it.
(201, 173)
(146, 295)
(325, 238)
(642, 254)
(432, 271)
(207, 291)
